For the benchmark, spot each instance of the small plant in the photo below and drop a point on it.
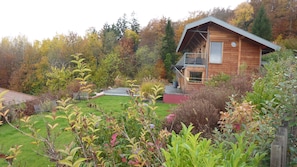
(81, 73)
(146, 88)
(187, 149)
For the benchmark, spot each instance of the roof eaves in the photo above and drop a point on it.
(230, 27)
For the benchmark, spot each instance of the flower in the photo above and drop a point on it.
(170, 117)
(113, 140)
(152, 126)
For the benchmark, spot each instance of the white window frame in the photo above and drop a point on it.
(216, 56)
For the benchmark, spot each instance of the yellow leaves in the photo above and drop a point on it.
(1, 97)
(1, 105)
(4, 114)
(52, 126)
(243, 15)
(64, 104)
(54, 117)
(35, 142)
(70, 153)
(89, 139)
(26, 119)
(13, 152)
(242, 113)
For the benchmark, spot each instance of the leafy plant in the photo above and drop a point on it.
(218, 79)
(146, 88)
(187, 149)
(82, 73)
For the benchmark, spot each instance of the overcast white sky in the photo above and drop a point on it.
(40, 19)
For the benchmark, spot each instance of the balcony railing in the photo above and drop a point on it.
(194, 59)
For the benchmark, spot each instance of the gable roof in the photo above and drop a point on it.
(237, 30)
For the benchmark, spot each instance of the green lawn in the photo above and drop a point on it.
(10, 137)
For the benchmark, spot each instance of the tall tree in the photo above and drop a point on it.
(221, 13)
(261, 25)
(11, 55)
(168, 43)
(243, 15)
(168, 48)
(152, 34)
(121, 26)
(282, 15)
(109, 39)
(126, 49)
(135, 26)
(180, 25)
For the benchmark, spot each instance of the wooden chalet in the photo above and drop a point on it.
(211, 46)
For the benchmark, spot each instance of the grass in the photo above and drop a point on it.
(29, 157)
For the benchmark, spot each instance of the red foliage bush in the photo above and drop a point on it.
(201, 109)
(29, 109)
(217, 96)
(202, 114)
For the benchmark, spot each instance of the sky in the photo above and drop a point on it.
(41, 19)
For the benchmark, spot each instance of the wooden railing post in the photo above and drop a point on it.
(278, 156)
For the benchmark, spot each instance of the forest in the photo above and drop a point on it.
(123, 50)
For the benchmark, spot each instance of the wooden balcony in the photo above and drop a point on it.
(192, 59)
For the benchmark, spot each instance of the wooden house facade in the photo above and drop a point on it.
(211, 46)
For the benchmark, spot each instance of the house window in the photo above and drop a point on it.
(195, 77)
(216, 52)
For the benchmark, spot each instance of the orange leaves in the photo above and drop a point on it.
(241, 114)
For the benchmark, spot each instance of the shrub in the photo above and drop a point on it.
(120, 81)
(201, 109)
(217, 96)
(202, 114)
(240, 84)
(265, 88)
(145, 72)
(218, 79)
(146, 87)
(187, 149)
(244, 117)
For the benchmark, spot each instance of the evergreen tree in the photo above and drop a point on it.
(168, 49)
(262, 26)
(135, 26)
(168, 43)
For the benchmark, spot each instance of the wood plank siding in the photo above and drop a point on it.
(223, 48)
(250, 54)
(245, 52)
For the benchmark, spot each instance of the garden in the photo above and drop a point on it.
(232, 121)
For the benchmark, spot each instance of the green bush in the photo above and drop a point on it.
(264, 88)
(240, 84)
(186, 149)
(146, 71)
(146, 87)
(218, 79)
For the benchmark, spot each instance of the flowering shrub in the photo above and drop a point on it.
(245, 118)
(239, 114)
